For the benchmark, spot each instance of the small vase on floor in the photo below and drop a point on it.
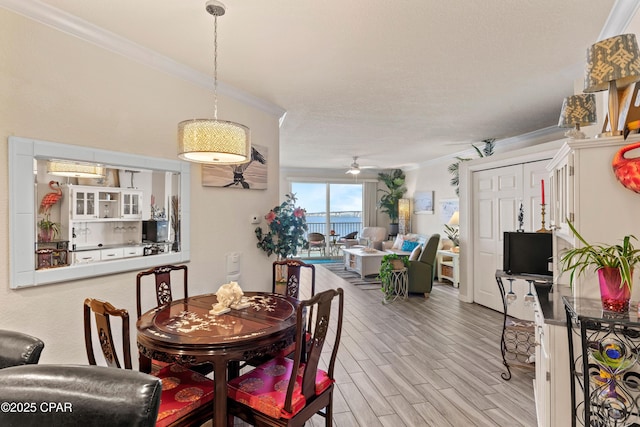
(615, 297)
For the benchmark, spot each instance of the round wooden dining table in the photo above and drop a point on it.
(185, 332)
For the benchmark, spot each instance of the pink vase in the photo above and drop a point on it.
(614, 297)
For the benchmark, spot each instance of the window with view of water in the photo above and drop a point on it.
(343, 202)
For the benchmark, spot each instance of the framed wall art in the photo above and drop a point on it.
(247, 176)
(447, 208)
(423, 202)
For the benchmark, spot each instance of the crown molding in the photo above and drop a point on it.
(84, 30)
(619, 18)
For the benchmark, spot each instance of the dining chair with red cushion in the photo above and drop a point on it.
(164, 295)
(289, 271)
(187, 396)
(287, 392)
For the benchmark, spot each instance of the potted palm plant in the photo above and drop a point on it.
(395, 191)
(614, 265)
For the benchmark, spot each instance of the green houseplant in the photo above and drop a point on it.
(453, 233)
(389, 263)
(454, 168)
(613, 263)
(394, 181)
(48, 230)
(287, 227)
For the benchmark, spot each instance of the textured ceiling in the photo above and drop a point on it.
(395, 83)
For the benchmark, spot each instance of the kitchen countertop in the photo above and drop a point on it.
(131, 245)
(551, 304)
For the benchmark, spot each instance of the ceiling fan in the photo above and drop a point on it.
(354, 169)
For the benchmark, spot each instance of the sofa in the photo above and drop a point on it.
(398, 246)
(373, 236)
(17, 348)
(423, 269)
(74, 395)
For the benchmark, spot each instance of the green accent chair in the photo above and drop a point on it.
(422, 271)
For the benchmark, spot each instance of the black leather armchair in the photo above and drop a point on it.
(70, 395)
(17, 348)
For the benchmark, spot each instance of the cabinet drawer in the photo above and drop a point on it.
(108, 254)
(134, 251)
(86, 256)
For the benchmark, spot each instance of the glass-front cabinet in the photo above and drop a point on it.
(84, 204)
(130, 207)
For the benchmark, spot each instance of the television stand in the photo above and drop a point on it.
(517, 340)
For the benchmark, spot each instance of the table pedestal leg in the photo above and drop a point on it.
(144, 363)
(220, 397)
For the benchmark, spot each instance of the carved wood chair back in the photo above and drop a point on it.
(103, 311)
(162, 275)
(289, 271)
(308, 392)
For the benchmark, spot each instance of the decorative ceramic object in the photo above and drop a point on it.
(229, 294)
(627, 170)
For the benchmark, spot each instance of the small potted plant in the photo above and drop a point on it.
(48, 230)
(614, 265)
(453, 234)
(389, 264)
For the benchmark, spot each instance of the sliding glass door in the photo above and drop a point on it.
(330, 207)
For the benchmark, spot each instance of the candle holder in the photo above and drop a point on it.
(543, 229)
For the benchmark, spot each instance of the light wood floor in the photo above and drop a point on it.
(422, 362)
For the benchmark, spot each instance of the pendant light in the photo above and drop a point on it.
(214, 141)
(74, 169)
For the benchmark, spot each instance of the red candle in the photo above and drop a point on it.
(542, 187)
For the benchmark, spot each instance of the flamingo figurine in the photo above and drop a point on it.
(627, 170)
(51, 198)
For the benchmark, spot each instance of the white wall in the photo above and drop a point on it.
(431, 176)
(56, 87)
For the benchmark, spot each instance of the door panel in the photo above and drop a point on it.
(497, 195)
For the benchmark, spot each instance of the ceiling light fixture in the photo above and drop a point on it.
(214, 141)
(75, 170)
(612, 64)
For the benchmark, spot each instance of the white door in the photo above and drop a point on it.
(496, 200)
(497, 195)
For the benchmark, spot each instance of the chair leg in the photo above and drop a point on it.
(426, 295)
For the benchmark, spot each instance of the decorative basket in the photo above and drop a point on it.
(397, 264)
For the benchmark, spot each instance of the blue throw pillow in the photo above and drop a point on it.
(408, 246)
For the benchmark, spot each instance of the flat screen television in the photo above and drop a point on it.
(527, 253)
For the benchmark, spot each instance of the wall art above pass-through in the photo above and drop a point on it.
(248, 176)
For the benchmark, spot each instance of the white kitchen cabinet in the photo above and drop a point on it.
(84, 257)
(133, 251)
(93, 217)
(130, 206)
(586, 191)
(111, 254)
(552, 388)
(84, 203)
